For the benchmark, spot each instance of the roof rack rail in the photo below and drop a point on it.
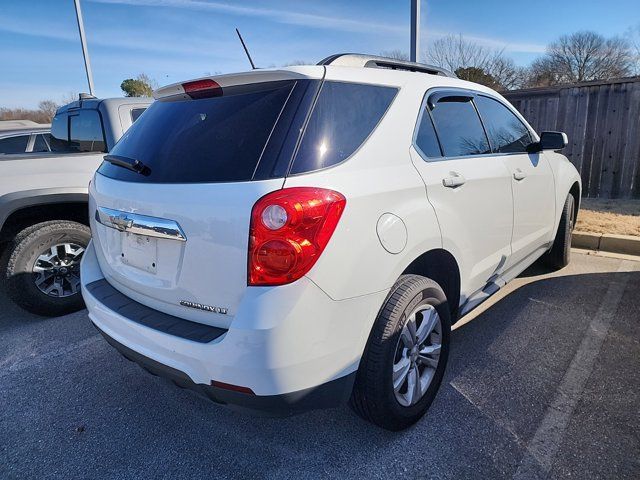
(372, 61)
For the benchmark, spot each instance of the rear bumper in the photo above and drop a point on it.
(328, 395)
(293, 346)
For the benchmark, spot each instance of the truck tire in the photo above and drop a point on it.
(399, 356)
(559, 255)
(41, 266)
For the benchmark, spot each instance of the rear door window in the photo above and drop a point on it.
(458, 125)
(218, 139)
(85, 132)
(344, 116)
(507, 133)
(17, 144)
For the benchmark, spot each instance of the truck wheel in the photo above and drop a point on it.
(406, 355)
(560, 254)
(42, 267)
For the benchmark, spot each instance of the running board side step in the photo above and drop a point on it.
(479, 297)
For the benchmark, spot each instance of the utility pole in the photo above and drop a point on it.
(415, 30)
(83, 41)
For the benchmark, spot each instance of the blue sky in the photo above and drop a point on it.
(173, 40)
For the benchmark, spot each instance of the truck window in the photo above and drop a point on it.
(85, 132)
(16, 144)
(59, 139)
(41, 143)
(135, 113)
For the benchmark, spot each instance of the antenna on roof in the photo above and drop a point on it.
(253, 67)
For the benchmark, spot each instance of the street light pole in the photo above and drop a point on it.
(415, 30)
(83, 41)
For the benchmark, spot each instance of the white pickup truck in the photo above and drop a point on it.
(43, 203)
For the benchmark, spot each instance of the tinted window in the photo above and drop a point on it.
(85, 132)
(343, 117)
(216, 139)
(507, 133)
(459, 128)
(135, 113)
(426, 139)
(59, 139)
(41, 143)
(14, 144)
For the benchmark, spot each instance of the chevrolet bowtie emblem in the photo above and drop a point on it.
(121, 222)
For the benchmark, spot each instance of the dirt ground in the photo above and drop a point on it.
(619, 217)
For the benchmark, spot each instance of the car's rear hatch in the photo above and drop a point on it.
(174, 234)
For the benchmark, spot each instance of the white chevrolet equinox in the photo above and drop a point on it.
(282, 240)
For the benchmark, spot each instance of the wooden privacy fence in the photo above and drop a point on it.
(602, 121)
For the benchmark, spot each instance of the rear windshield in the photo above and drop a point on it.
(217, 139)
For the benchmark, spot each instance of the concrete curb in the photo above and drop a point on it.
(626, 244)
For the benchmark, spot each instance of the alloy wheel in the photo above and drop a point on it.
(56, 272)
(417, 355)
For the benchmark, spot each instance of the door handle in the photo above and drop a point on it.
(519, 175)
(454, 180)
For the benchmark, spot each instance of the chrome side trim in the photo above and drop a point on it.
(140, 224)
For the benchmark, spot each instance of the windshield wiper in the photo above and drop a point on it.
(128, 163)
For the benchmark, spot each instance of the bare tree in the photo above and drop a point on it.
(48, 108)
(68, 98)
(457, 54)
(143, 77)
(395, 54)
(580, 57)
(454, 52)
(633, 37)
(294, 63)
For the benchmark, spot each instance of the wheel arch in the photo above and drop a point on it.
(574, 191)
(22, 209)
(440, 266)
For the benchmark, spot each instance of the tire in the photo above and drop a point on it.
(374, 397)
(34, 243)
(559, 255)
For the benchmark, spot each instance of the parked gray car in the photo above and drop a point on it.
(43, 203)
(24, 136)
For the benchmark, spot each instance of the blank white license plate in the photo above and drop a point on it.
(140, 251)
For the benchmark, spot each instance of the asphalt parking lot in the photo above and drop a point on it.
(543, 382)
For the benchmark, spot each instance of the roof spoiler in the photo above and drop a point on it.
(372, 61)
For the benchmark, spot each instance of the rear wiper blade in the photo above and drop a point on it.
(128, 163)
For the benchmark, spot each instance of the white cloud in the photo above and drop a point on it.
(279, 16)
(322, 21)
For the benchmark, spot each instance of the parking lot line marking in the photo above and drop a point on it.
(538, 459)
(21, 365)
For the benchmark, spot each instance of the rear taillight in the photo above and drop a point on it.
(204, 88)
(289, 230)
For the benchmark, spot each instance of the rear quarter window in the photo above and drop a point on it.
(343, 117)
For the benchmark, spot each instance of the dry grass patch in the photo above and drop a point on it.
(617, 217)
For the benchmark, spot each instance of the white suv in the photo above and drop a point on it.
(290, 239)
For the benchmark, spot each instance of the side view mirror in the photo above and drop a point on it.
(550, 141)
